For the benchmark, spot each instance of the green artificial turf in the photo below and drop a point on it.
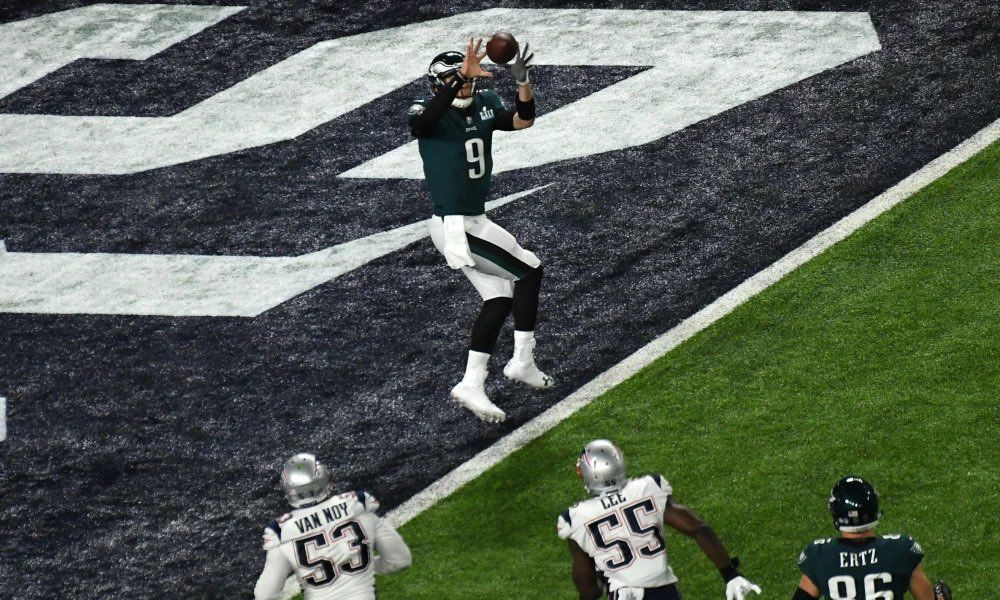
(878, 358)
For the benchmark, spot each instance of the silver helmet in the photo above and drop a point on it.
(601, 466)
(305, 480)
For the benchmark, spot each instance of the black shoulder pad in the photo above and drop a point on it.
(361, 497)
(566, 518)
(273, 525)
(656, 477)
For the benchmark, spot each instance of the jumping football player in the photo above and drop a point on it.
(858, 564)
(454, 131)
(618, 533)
(334, 544)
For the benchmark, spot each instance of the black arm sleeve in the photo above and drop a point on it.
(504, 121)
(801, 594)
(423, 124)
(526, 109)
(731, 571)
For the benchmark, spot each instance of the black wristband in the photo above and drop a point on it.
(732, 571)
(525, 110)
(801, 594)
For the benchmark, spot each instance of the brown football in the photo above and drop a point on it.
(501, 48)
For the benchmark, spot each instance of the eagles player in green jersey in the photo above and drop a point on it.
(454, 130)
(860, 565)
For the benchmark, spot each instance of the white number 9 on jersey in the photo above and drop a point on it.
(475, 154)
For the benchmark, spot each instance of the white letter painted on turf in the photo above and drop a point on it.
(187, 285)
(703, 62)
(33, 48)
(735, 57)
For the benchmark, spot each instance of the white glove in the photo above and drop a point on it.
(456, 245)
(737, 588)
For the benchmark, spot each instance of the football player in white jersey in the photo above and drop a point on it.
(334, 544)
(617, 535)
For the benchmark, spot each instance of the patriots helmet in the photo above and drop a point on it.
(601, 466)
(444, 66)
(305, 480)
(854, 505)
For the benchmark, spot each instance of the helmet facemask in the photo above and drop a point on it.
(441, 70)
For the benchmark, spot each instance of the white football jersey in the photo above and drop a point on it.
(334, 549)
(623, 532)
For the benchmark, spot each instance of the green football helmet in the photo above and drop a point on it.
(854, 505)
(444, 66)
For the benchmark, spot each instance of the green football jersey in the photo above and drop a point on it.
(458, 162)
(876, 568)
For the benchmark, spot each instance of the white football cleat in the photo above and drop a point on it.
(474, 398)
(528, 374)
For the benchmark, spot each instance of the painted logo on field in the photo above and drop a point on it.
(699, 64)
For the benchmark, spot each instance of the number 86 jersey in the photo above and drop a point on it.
(871, 568)
(623, 532)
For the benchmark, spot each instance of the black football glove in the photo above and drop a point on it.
(522, 64)
(942, 591)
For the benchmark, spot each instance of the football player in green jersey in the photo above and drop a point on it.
(860, 565)
(454, 130)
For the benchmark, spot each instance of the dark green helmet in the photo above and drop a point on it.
(854, 505)
(444, 66)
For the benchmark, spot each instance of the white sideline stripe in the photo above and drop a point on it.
(3, 419)
(687, 328)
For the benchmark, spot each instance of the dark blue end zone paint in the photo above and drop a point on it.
(149, 447)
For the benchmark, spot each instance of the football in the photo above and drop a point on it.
(501, 48)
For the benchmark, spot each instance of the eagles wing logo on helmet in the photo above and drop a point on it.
(444, 65)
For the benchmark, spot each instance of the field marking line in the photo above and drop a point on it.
(722, 306)
(687, 328)
(189, 285)
(3, 419)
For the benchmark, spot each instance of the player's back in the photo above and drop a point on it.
(623, 532)
(874, 567)
(331, 546)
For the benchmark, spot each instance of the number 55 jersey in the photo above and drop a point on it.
(334, 548)
(623, 532)
(877, 567)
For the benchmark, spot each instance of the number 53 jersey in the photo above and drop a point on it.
(873, 568)
(623, 532)
(334, 548)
